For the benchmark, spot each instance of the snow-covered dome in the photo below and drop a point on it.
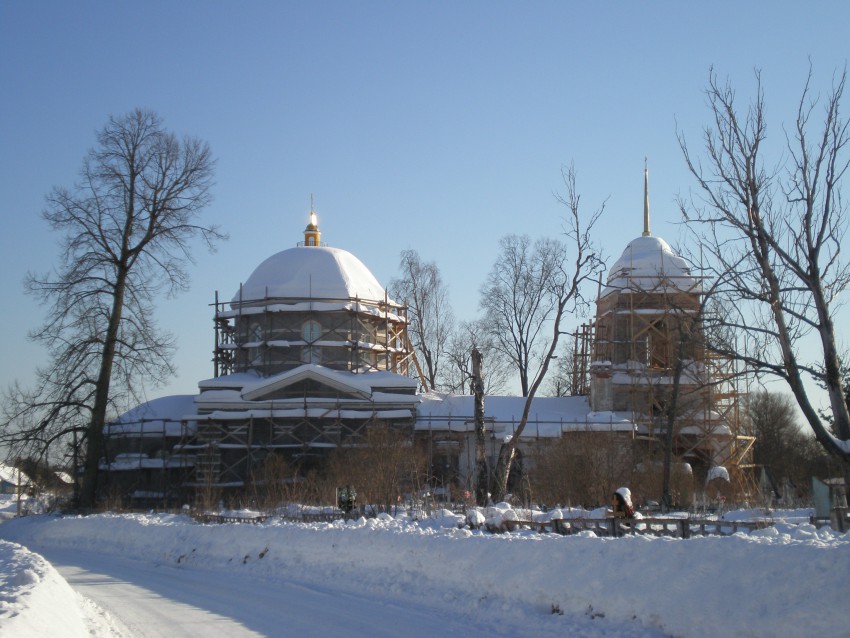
(311, 272)
(645, 263)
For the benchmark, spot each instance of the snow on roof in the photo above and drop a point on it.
(549, 416)
(158, 416)
(235, 381)
(646, 263)
(11, 475)
(311, 272)
(301, 413)
(136, 461)
(251, 382)
(361, 307)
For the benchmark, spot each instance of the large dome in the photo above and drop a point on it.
(312, 272)
(648, 263)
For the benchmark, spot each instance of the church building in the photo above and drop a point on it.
(310, 353)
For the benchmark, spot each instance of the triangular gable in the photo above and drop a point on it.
(316, 377)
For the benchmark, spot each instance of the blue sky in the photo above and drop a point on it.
(437, 126)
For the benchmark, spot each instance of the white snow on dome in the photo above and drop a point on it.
(645, 263)
(312, 272)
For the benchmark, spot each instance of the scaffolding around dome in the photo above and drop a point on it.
(273, 335)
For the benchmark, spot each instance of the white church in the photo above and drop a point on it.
(311, 352)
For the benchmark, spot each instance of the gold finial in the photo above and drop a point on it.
(646, 232)
(312, 234)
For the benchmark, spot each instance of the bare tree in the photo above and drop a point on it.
(126, 228)
(518, 299)
(781, 446)
(564, 380)
(457, 374)
(532, 295)
(774, 238)
(431, 320)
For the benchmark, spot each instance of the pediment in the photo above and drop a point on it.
(306, 381)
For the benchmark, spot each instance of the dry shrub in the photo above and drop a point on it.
(648, 479)
(581, 468)
(381, 466)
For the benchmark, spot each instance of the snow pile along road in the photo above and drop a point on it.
(34, 599)
(786, 580)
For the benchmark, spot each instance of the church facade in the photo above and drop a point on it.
(311, 353)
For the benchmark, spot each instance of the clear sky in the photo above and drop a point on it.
(438, 126)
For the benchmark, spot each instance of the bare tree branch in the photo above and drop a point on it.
(774, 236)
(126, 229)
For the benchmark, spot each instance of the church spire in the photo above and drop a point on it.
(646, 232)
(312, 234)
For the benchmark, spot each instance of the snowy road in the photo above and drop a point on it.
(148, 600)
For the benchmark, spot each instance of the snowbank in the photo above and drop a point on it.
(34, 599)
(787, 580)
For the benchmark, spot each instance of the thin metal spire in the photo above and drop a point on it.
(314, 219)
(646, 232)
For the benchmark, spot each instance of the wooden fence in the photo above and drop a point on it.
(672, 527)
(612, 527)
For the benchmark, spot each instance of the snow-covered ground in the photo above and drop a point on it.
(149, 575)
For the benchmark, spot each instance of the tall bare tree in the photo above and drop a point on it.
(457, 373)
(125, 229)
(536, 296)
(431, 320)
(774, 235)
(519, 298)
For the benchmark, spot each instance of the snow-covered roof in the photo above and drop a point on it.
(311, 272)
(235, 381)
(251, 385)
(649, 264)
(549, 416)
(137, 461)
(304, 413)
(64, 477)
(12, 475)
(359, 307)
(159, 416)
